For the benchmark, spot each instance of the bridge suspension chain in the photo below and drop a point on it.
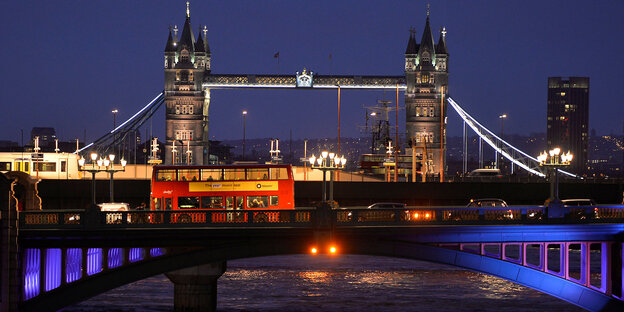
(513, 154)
(118, 135)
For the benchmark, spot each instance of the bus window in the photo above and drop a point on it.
(212, 174)
(258, 174)
(168, 204)
(279, 174)
(157, 204)
(239, 202)
(188, 174)
(26, 166)
(191, 202)
(229, 203)
(211, 202)
(257, 201)
(234, 174)
(63, 166)
(274, 200)
(166, 175)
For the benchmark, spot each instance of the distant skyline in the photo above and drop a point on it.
(67, 64)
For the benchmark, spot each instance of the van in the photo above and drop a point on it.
(111, 208)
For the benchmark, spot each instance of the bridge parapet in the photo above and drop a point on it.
(302, 218)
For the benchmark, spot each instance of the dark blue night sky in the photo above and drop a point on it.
(67, 64)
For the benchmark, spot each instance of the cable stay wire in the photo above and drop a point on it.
(106, 142)
(513, 154)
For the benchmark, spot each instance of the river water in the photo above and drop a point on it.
(337, 283)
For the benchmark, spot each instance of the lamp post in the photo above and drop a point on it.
(499, 163)
(328, 162)
(114, 111)
(244, 119)
(99, 164)
(554, 160)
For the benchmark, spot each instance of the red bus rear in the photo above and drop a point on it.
(222, 187)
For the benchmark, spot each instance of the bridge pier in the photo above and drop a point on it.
(9, 258)
(195, 289)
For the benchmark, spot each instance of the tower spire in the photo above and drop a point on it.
(427, 9)
(188, 10)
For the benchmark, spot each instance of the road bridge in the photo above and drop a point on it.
(70, 255)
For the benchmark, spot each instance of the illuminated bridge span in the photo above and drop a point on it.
(118, 135)
(69, 256)
(513, 154)
(518, 157)
(315, 81)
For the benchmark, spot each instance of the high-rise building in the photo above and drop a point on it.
(426, 76)
(568, 118)
(186, 62)
(46, 135)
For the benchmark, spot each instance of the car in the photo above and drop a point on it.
(582, 208)
(377, 214)
(492, 203)
(387, 206)
(578, 202)
(487, 202)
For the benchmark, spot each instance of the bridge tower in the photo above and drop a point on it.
(186, 62)
(426, 76)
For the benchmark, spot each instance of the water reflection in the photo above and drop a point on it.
(344, 283)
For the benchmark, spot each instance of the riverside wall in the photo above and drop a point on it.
(76, 194)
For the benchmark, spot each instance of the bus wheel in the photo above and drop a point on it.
(184, 218)
(261, 218)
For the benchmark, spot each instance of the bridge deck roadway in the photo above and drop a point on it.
(199, 236)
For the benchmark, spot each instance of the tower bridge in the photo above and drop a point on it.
(189, 80)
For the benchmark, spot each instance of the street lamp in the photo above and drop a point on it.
(99, 164)
(499, 163)
(554, 160)
(244, 118)
(328, 162)
(114, 111)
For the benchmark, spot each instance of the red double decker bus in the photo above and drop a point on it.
(222, 188)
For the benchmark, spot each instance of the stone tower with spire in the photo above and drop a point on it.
(426, 75)
(186, 62)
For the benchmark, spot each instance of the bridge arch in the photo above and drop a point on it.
(546, 283)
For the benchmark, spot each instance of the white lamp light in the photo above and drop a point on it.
(81, 161)
(94, 156)
(312, 160)
(123, 162)
(112, 157)
(324, 154)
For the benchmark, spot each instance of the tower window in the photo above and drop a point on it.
(184, 55)
(184, 135)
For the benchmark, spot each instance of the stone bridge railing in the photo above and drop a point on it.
(311, 217)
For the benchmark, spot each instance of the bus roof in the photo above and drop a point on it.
(222, 166)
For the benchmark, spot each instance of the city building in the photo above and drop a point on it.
(46, 135)
(568, 118)
(186, 62)
(426, 75)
